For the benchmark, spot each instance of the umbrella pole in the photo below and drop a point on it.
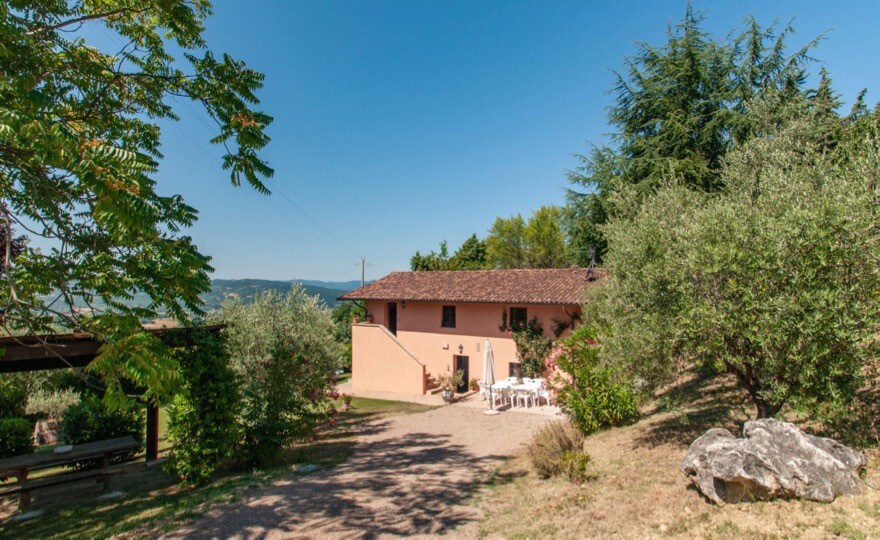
(491, 410)
(487, 368)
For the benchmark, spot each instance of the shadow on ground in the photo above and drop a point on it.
(685, 411)
(390, 486)
(152, 497)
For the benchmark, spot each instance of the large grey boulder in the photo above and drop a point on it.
(774, 459)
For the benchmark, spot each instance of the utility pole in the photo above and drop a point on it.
(363, 264)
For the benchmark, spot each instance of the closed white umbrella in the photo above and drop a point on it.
(489, 373)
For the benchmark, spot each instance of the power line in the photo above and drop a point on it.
(292, 220)
(271, 184)
(266, 199)
(306, 214)
(275, 188)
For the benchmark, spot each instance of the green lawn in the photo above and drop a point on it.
(153, 503)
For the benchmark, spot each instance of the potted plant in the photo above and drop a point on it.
(474, 385)
(346, 402)
(448, 382)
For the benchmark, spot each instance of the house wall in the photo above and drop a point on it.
(383, 364)
(419, 330)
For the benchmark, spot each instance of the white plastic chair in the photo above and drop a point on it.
(524, 397)
(545, 394)
(498, 394)
(484, 391)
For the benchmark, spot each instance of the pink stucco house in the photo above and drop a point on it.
(422, 324)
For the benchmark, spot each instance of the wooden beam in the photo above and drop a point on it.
(61, 351)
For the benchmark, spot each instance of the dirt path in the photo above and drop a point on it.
(410, 475)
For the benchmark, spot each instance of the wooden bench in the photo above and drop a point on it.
(21, 466)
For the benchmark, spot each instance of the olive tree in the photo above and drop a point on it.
(283, 348)
(773, 279)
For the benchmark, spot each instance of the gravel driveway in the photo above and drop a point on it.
(409, 475)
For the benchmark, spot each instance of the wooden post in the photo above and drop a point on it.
(24, 496)
(105, 462)
(152, 431)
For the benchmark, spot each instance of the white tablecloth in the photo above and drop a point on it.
(532, 385)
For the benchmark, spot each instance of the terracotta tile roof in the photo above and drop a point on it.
(544, 286)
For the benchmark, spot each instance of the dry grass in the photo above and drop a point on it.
(550, 445)
(638, 491)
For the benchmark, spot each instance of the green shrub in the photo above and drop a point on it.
(576, 466)
(550, 445)
(13, 395)
(594, 396)
(278, 411)
(16, 437)
(532, 347)
(90, 420)
(284, 349)
(51, 404)
(202, 420)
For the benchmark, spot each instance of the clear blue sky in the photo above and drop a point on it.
(399, 124)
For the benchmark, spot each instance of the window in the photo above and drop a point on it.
(448, 320)
(519, 317)
(514, 369)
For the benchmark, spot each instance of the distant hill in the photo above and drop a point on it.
(246, 289)
(341, 285)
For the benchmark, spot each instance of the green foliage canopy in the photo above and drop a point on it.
(773, 279)
(79, 146)
(284, 350)
(678, 109)
(16, 437)
(537, 243)
(471, 255)
(89, 420)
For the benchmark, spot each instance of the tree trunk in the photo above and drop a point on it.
(748, 380)
(766, 410)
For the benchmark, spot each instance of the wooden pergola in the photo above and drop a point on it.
(63, 351)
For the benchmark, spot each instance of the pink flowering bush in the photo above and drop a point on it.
(556, 378)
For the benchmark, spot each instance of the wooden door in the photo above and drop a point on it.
(392, 317)
(462, 363)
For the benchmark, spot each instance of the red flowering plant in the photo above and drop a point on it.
(556, 378)
(532, 347)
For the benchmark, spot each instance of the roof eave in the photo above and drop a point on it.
(463, 301)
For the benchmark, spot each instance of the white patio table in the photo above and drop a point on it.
(530, 385)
